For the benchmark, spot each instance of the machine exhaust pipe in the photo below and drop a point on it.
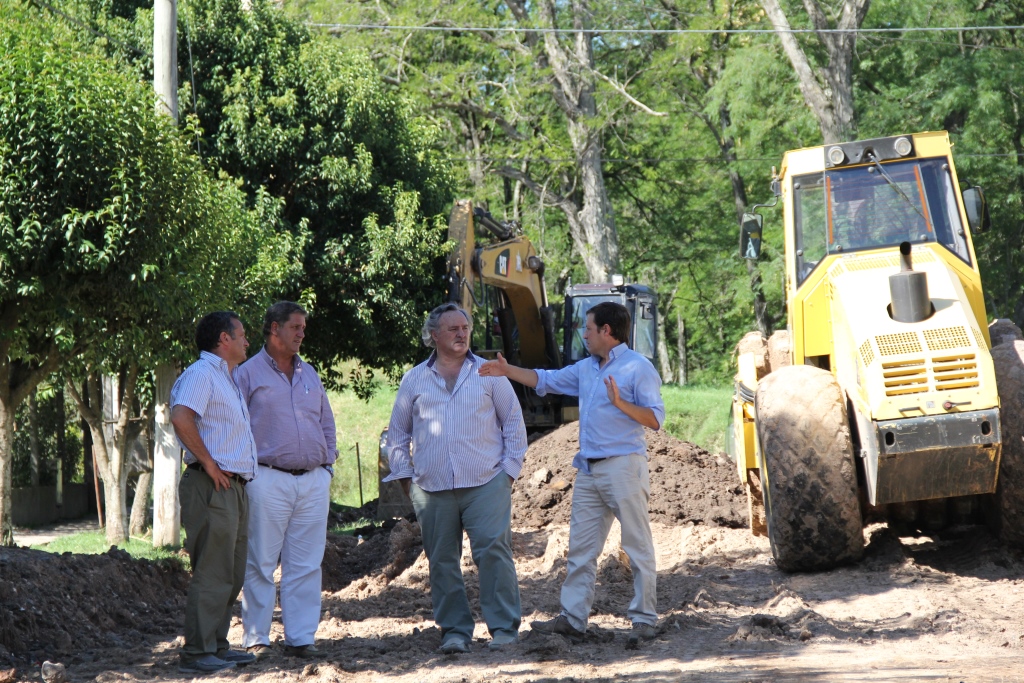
(908, 290)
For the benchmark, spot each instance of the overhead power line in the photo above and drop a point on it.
(667, 160)
(654, 31)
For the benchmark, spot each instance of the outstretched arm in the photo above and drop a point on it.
(501, 368)
(644, 416)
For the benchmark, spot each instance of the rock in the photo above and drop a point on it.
(53, 672)
(541, 476)
(559, 485)
(8, 675)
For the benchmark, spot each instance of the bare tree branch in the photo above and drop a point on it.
(622, 91)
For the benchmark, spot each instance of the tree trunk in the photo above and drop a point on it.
(17, 381)
(137, 525)
(6, 468)
(664, 366)
(829, 91)
(681, 347)
(111, 453)
(589, 214)
(35, 453)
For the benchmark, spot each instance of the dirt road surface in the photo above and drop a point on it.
(939, 607)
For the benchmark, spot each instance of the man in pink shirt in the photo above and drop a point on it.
(296, 447)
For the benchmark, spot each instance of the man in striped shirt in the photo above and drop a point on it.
(620, 394)
(211, 421)
(456, 442)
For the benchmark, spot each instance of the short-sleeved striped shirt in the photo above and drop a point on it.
(458, 439)
(221, 414)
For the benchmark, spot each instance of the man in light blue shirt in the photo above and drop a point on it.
(456, 442)
(620, 394)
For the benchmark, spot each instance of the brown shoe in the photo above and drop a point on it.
(260, 651)
(559, 625)
(640, 631)
(304, 651)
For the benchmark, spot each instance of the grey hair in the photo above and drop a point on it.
(280, 313)
(433, 322)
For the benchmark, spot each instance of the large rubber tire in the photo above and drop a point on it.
(808, 474)
(1006, 513)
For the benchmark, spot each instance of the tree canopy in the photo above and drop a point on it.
(114, 239)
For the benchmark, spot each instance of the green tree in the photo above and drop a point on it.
(113, 238)
(310, 121)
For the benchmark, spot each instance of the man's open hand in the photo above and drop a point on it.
(495, 368)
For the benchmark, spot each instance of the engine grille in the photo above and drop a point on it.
(907, 369)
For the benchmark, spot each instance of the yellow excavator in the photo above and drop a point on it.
(501, 282)
(504, 280)
(884, 394)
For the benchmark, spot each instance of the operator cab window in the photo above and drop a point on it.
(580, 306)
(809, 211)
(644, 329)
(875, 206)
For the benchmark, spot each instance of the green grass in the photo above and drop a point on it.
(95, 543)
(698, 414)
(360, 423)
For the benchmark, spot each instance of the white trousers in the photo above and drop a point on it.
(616, 488)
(287, 524)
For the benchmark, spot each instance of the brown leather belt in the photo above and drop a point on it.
(231, 475)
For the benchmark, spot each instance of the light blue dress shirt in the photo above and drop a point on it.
(606, 431)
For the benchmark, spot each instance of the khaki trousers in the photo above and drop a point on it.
(616, 488)
(216, 536)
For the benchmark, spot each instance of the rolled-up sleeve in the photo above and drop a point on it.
(647, 391)
(513, 429)
(565, 381)
(400, 433)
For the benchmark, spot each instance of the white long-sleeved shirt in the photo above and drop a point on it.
(459, 439)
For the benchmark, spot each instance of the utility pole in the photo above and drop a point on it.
(166, 452)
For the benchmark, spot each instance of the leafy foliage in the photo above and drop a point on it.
(309, 121)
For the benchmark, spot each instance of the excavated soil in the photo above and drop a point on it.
(687, 482)
(937, 607)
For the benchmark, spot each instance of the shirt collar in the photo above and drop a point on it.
(273, 363)
(613, 353)
(213, 358)
(470, 356)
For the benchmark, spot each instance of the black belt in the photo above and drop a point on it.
(294, 473)
(231, 475)
(599, 459)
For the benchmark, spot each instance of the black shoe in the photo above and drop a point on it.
(454, 646)
(207, 664)
(239, 658)
(559, 625)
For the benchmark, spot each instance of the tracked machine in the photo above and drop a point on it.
(884, 394)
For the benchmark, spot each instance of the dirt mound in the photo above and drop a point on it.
(687, 482)
(58, 605)
(387, 553)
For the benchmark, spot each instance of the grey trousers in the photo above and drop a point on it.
(485, 512)
(616, 488)
(216, 535)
